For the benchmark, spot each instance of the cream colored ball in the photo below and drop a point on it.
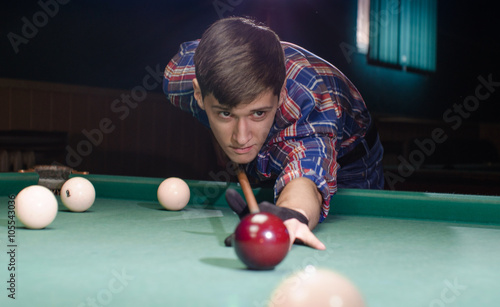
(173, 194)
(36, 207)
(78, 194)
(316, 287)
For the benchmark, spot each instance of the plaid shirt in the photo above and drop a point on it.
(321, 117)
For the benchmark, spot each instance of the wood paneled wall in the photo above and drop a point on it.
(145, 137)
(398, 135)
(153, 138)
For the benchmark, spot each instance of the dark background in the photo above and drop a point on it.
(109, 43)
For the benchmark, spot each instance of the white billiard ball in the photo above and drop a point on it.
(78, 194)
(316, 287)
(173, 194)
(36, 207)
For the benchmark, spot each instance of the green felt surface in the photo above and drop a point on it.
(128, 251)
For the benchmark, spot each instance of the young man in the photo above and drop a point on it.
(282, 112)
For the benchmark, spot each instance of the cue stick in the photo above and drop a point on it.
(247, 190)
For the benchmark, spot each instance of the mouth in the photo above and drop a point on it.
(242, 150)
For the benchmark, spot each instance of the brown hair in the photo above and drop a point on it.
(238, 59)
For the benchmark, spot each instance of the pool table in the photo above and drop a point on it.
(399, 248)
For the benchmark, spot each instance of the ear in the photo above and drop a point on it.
(197, 94)
(282, 94)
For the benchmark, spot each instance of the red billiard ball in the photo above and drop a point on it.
(261, 241)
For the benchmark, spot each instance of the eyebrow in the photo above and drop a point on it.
(220, 107)
(227, 109)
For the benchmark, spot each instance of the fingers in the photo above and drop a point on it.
(292, 240)
(312, 241)
(300, 232)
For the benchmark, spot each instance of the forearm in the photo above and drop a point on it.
(302, 195)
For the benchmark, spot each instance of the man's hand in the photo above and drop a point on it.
(300, 233)
(295, 221)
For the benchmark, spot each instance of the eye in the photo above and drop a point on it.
(259, 114)
(224, 114)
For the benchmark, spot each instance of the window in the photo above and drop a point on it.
(363, 26)
(398, 33)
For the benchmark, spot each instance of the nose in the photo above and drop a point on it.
(242, 133)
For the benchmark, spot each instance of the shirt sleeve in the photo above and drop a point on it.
(322, 118)
(312, 158)
(178, 81)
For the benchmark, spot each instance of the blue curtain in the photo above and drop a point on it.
(403, 33)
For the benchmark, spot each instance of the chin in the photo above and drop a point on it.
(243, 159)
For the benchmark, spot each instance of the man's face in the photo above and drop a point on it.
(240, 131)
